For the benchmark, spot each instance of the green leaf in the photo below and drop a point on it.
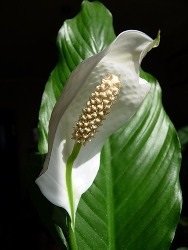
(135, 200)
(79, 38)
(183, 136)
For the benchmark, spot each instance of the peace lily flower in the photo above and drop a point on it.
(100, 96)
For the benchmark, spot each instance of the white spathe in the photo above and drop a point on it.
(122, 57)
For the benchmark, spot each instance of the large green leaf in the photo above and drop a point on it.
(79, 38)
(83, 36)
(135, 200)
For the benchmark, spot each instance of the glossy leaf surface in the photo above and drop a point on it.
(79, 38)
(135, 200)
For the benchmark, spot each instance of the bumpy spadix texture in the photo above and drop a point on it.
(121, 58)
(97, 107)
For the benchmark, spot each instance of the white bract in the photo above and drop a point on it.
(121, 58)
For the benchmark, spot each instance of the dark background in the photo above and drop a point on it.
(28, 53)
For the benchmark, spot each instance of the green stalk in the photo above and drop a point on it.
(70, 161)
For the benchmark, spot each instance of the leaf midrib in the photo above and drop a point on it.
(109, 196)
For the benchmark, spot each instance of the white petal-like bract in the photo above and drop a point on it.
(123, 58)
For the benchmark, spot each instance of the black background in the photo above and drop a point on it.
(28, 53)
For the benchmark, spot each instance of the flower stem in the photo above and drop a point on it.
(70, 161)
